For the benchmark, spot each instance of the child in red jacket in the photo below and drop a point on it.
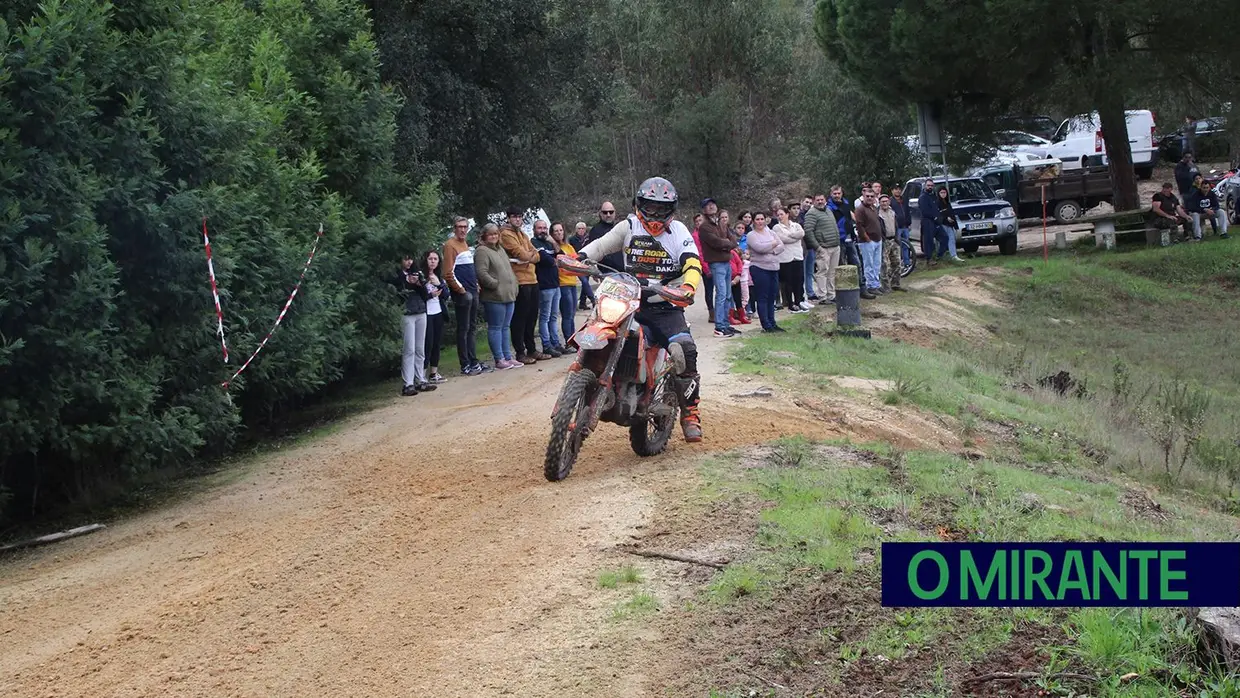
(741, 282)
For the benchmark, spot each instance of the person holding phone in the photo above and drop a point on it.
(410, 282)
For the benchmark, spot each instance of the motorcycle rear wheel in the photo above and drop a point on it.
(649, 436)
(567, 425)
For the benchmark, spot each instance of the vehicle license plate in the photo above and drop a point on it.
(977, 226)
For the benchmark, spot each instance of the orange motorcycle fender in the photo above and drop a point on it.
(594, 336)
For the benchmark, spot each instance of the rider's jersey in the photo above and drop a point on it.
(665, 257)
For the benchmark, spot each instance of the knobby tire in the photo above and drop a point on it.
(565, 444)
(649, 436)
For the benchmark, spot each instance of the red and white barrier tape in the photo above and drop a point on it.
(317, 238)
(215, 293)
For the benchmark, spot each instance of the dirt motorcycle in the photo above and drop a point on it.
(619, 375)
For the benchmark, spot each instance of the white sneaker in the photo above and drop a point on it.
(806, 305)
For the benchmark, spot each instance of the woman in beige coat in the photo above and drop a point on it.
(791, 262)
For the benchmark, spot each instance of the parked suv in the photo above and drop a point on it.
(982, 217)
(1210, 140)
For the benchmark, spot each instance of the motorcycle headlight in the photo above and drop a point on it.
(612, 310)
(1007, 212)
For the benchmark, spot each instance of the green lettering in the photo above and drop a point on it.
(1039, 577)
(1073, 563)
(970, 576)
(944, 576)
(1143, 578)
(1015, 567)
(1118, 584)
(1166, 575)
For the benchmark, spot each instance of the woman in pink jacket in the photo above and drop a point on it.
(764, 250)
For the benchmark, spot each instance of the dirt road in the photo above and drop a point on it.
(415, 551)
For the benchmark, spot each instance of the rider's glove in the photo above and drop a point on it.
(682, 295)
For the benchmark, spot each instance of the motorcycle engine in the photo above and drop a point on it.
(626, 403)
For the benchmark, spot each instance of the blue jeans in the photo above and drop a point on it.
(568, 306)
(810, 257)
(721, 277)
(766, 288)
(872, 257)
(902, 234)
(499, 328)
(548, 316)
(947, 240)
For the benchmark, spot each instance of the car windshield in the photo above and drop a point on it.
(969, 190)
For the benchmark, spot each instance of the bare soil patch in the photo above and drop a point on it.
(945, 308)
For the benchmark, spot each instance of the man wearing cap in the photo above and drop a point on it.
(523, 256)
(717, 246)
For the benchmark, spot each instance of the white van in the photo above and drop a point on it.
(1082, 138)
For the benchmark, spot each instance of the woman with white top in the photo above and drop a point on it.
(791, 262)
(436, 287)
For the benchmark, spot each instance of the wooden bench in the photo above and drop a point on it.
(1109, 226)
(1061, 236)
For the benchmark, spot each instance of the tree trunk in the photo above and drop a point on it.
(1119, 151)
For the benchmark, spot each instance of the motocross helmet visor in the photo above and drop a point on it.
(655, 210)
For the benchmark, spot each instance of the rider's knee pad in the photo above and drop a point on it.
(688, 351)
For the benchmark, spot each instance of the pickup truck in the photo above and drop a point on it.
(982, 217)
(1068, 194)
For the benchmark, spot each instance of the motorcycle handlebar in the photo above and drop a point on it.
(591, 268)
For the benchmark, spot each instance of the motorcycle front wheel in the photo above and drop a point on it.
(649, 436)
(568, 425)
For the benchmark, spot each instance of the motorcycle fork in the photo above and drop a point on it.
(604, 376)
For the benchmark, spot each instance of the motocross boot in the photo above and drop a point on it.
(688, 394)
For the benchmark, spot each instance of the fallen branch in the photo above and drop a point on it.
(1026, 675)
(671, 556)
(762, 678)
(53, 537)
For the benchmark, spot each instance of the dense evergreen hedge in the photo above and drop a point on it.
(121, 126)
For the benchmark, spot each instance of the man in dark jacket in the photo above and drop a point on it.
(1203, 203)
(1185, 172)
(606, 221)
(548, 275)
(717, 246)
(579, 239)
(842, 209)
(411, 283)
(928, 208)
(904, 221)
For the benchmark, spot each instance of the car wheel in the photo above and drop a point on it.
(1145, 172)
(1007, 246)
(1067, 211)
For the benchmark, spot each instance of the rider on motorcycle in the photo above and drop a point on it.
(657, 247)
